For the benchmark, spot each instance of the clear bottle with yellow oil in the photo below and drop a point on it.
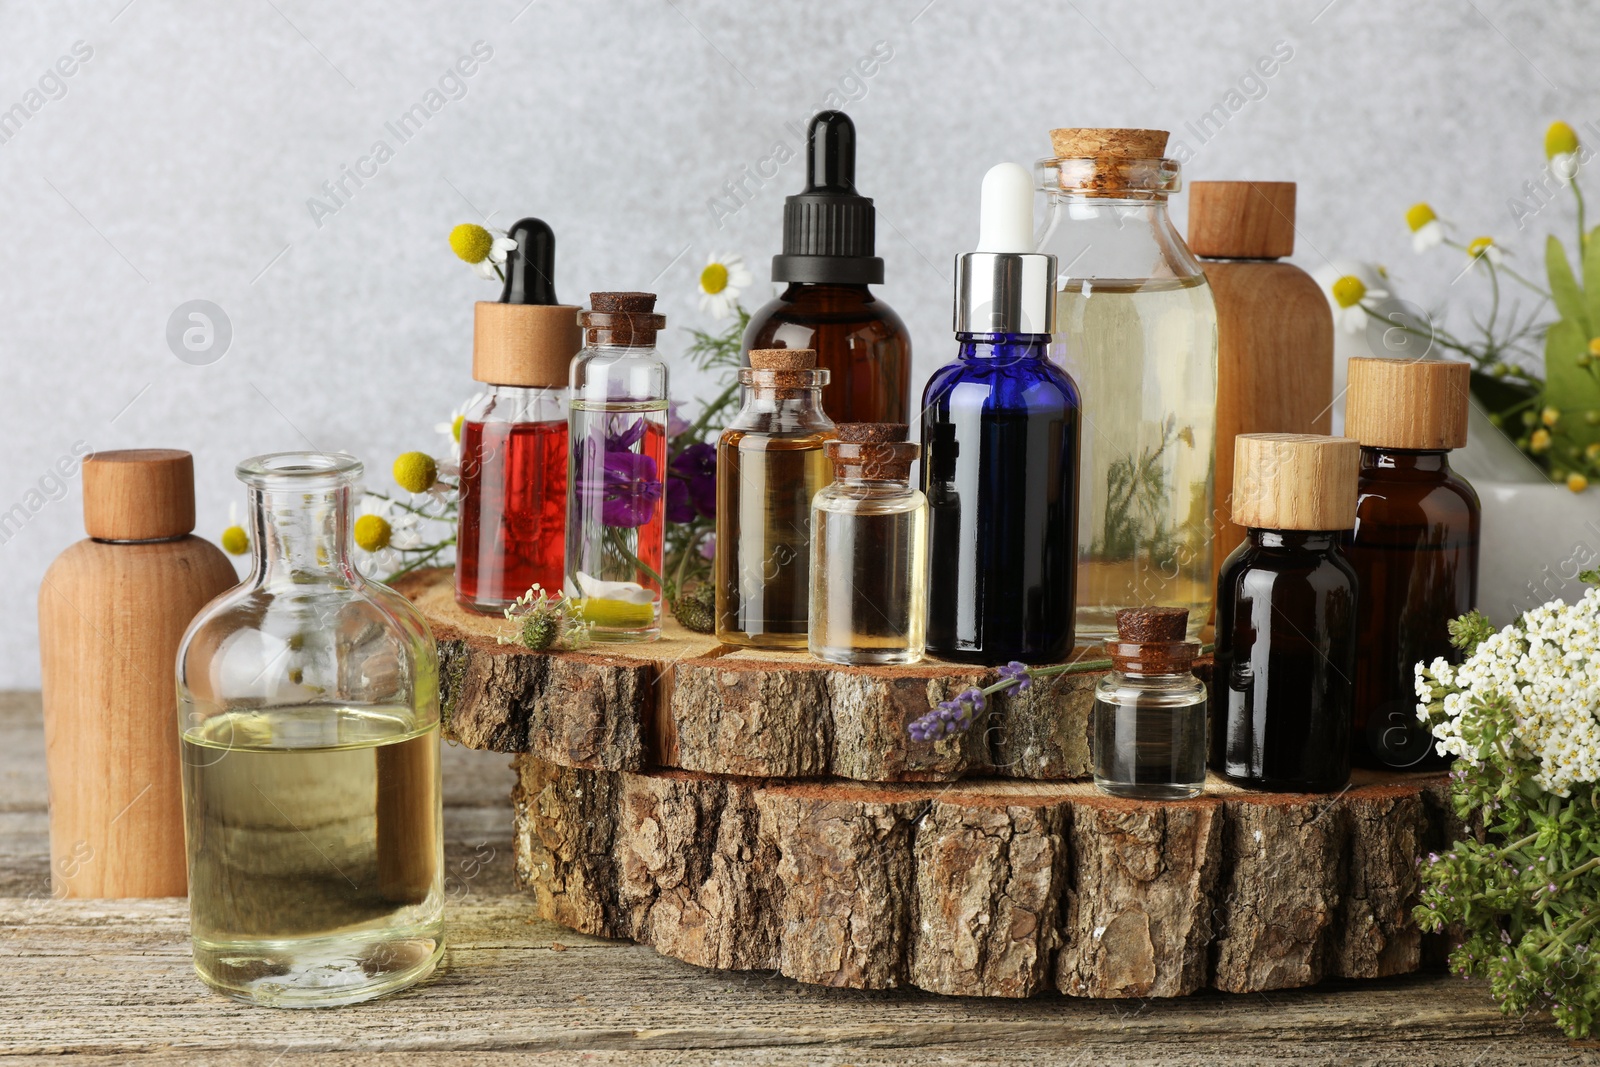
(770, 464)
(1137, 329)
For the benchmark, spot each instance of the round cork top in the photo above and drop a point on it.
(1100, 143)
(783, 358)
(1295, 481)
(138, 494)
(872, 451)
(1413, 404)
(1152, 624)
(530, 345)
(1151, 640)
(626, 319)
(1241, 220)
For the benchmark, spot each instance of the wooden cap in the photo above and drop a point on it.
(626, 319)
(1087, 143)
(1152, 624)
(1295, 481)
(530, 345)
(138, 494)
(872, 450)
(1151, 640)
(1401, 403)
(1241, 220)
(783, 358)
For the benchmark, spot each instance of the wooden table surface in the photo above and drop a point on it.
(110, 982)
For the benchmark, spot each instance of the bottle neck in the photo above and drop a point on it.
(302, 536)
(1296, 540)
(1406, 460)
(1004, 347)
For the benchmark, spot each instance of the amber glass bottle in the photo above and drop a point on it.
(828, 263)
(1286, 616)
(1414, 546)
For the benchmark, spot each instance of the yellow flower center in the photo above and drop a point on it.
(455, 427)
(1594, 347)
(1559, 139)
(235, 542)
(1349, 291)
(714, 278)
(1539, 441)
(1479, 246)
(1419, 215)
(416, 472)
(1577, 482)
(1550, 416)
(471, 242)
(372, 533)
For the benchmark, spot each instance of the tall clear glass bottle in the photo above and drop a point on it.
(616, 520)
(1138, 332)
(769, 465)
(309, 722)
(869, 551)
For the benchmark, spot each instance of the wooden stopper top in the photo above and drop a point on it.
(138, 494)
(1241, 220)
(612, 303)
(1400, 403)
(1295, 481)
(874, 451)
(621, 319)
(872, 433)
(1152, 640)
(1153, 624)
(1086, 143)
(783, 358)
(530, 345)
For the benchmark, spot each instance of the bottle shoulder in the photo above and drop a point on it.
(1251, 565)
(1444, 502)
(1039, 379)
(832, 310)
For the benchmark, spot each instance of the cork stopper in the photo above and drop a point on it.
(621, 319)
(1103, 143)
(783, 358)
(1295, 481)
(138, 494)
(530, 345)
(1152, 641)
(1414, 404)
(872, 451)
(1241, 220)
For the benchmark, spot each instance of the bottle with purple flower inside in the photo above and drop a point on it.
(617, 463)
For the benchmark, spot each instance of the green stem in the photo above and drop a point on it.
(1583, 236)
(613, 536)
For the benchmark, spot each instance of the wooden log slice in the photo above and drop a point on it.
(685, 702)
(985, 887)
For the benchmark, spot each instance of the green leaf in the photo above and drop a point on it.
(1591, 281)
(1564, 287)
(1570, 386)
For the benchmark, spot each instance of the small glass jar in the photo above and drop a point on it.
(1150, 710)
(769, 466)
(616, 488)
(308, 713)
(869, 551)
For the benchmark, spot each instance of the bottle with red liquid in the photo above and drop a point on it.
(513, 512)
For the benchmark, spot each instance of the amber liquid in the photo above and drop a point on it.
(513, 511)
(764, 490)
(858, 339)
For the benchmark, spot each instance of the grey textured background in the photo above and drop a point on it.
(177, 163)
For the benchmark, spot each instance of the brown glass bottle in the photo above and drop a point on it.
(828, 263)
(1414, 546)
(1286, 616)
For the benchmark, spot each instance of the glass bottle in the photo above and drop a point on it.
(770, 464)
(869, 551)
(1414, 547)
(309, 721)
(828, 264)
(1286, 616)
(513, 497)
(1138, 331)
(616, 522)
(1000, 452)
(1150, 710)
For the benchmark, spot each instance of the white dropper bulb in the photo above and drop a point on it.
(1006, 213)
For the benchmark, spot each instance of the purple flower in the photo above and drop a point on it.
(708, 547)
(949, 717)
(692, 485)
(631, 491)
(1017, 672)
(676, 424)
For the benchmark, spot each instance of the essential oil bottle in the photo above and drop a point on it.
(1000, 431)
(513, 502)
(616, 521)
(1414, 546)
(770, 464)
(828, 263)
(1286, 615)
(869, 551)
(1138, 330)
(1150, 710)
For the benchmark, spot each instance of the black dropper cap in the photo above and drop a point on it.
(531, 266)
(829, 229)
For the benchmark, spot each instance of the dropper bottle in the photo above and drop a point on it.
(1000, 430)
(513, 503)
(828, 263)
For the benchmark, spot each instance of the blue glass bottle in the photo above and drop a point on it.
(1000, 430)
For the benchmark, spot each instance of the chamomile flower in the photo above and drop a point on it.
(235, 541)
(1561, 149)
(1350, 292)
(451, 429)
(721, 281)
(1426, 229)
(1485, 248)
(481, 247)
(416, 472)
